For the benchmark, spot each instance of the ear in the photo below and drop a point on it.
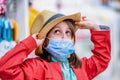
(46, 42)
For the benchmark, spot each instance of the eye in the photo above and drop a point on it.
(57, 32)
(69, 33)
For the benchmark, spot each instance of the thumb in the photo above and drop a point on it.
(79, 23)
(38, 41)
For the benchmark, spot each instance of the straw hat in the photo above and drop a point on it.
(46, 20)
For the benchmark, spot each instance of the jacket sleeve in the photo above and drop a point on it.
(100, 59)
(16, 56)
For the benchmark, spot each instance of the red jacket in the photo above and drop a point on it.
(13, 65)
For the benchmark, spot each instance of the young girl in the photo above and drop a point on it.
(53, 38)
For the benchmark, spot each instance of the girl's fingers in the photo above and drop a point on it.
(83, 18)
(80, 24)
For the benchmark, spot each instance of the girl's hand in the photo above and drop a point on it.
(38, 41)
(87, 24)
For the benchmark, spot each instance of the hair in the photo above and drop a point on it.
(73, 59)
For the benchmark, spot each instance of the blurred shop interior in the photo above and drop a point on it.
(21, 13)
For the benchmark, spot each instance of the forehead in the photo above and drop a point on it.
(62, 24)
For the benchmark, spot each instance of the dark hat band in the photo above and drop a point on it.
(52, 18)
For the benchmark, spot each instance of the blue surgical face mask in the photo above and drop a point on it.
(60, 49)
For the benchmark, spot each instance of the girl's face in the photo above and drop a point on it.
(61, 30)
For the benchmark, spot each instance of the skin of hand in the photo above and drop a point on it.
(87, 24)
(38, 41)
